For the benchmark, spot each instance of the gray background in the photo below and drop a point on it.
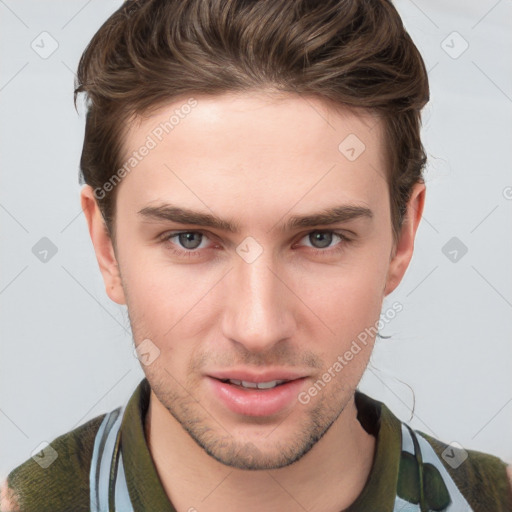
(66, 350)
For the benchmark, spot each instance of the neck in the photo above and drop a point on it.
(327, 479)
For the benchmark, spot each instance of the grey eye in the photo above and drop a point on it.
(187, 240)
(320, 239)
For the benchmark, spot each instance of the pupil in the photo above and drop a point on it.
(320, 239)
(187, 240)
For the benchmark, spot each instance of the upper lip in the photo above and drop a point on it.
(251, 376)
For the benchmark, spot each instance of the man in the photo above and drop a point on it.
(253, 190)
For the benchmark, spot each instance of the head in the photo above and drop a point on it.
(253, 188)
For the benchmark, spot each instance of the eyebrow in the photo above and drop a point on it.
(332, 215)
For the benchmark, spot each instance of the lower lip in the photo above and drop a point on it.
(254, 402)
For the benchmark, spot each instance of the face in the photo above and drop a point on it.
(251, 252)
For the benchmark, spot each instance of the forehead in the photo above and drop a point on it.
(260, 148)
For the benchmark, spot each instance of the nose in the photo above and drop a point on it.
(258, 312)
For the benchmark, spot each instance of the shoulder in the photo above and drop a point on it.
(483, 479)
(55, 477)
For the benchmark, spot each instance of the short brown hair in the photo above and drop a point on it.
(351, 53)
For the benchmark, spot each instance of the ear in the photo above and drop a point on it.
(405, 244)
(103, 246)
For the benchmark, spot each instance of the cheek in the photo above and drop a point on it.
(165, 301)
(348, 299)
(350, 294)
(168, 300)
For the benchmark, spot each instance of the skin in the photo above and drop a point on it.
(255, 159)
(269, 156)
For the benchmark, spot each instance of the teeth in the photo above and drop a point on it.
(256, 385)
(246, 384)
(268, 385)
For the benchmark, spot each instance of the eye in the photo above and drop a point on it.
(186, 243)
(189, 239)
(194, 244)
(323, 239)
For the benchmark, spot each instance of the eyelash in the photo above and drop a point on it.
(166, 239)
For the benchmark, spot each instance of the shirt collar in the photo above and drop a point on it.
(144, 485)
(147, 493)
(379, 492)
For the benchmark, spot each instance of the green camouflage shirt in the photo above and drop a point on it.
(105, 464)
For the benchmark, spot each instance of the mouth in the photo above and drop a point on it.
(256, 395)
(254, 385)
